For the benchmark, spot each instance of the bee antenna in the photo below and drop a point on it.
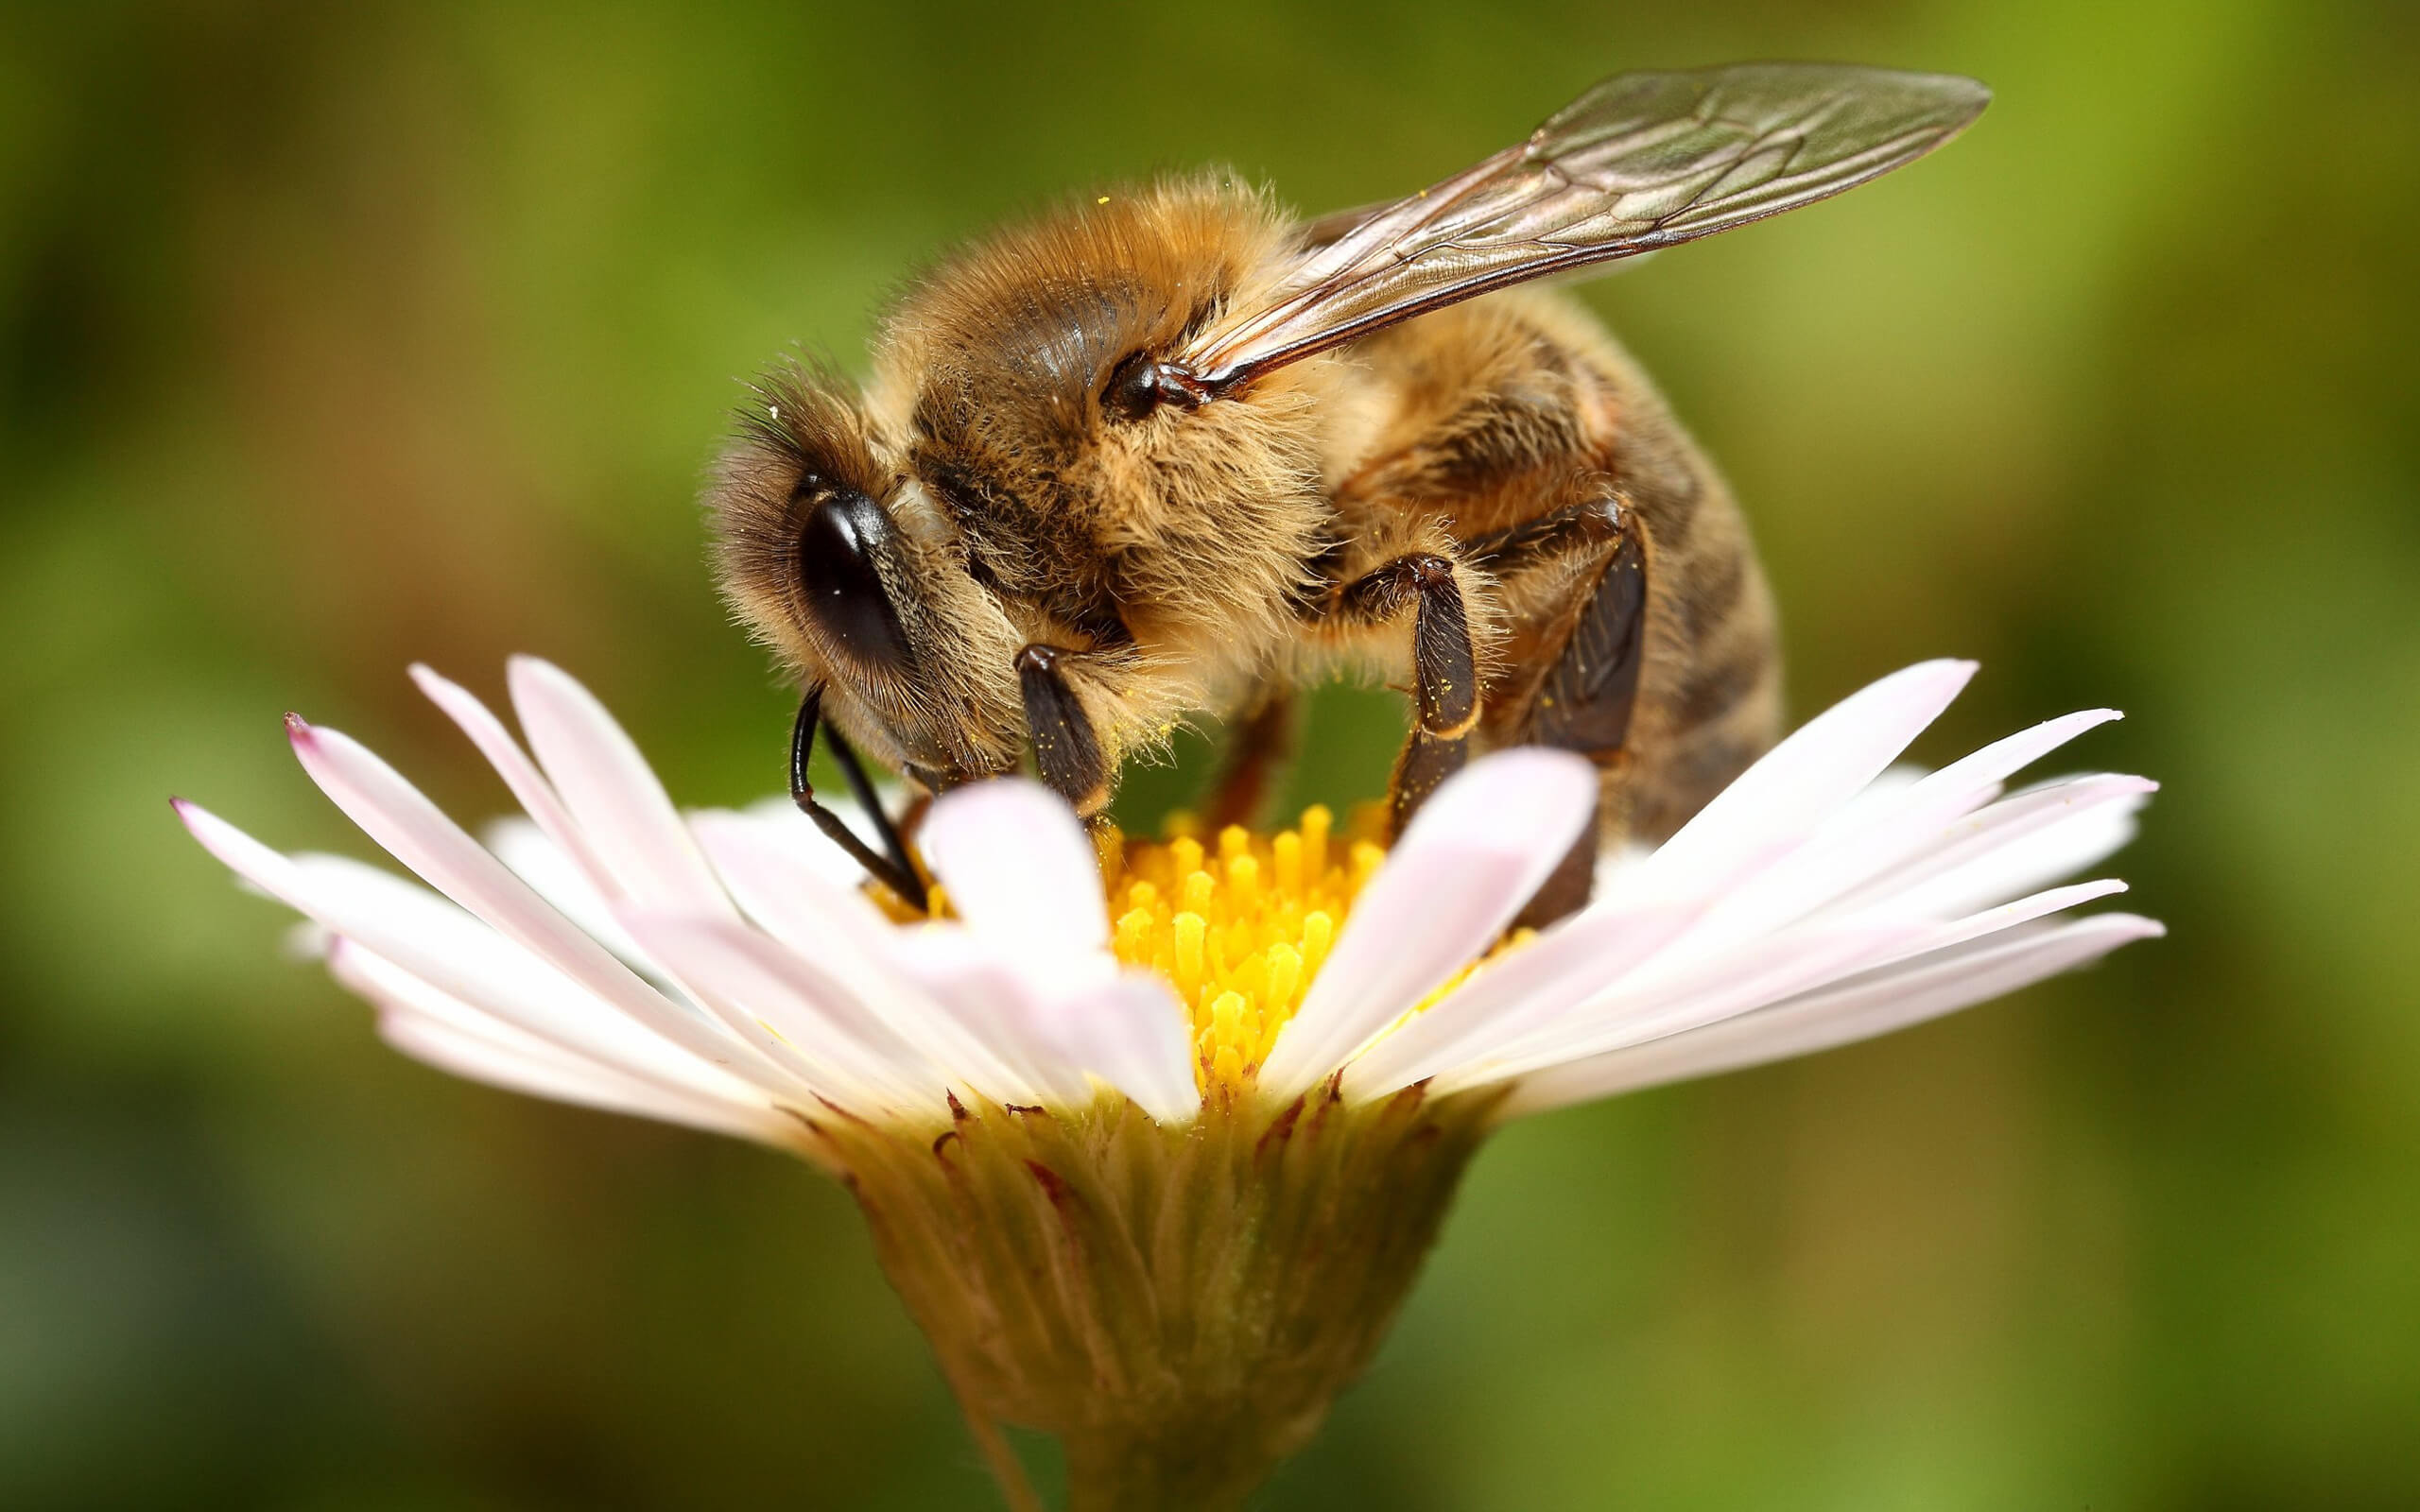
(894, 870)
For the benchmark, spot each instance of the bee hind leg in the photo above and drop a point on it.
(1583, 705)
(1257, 747)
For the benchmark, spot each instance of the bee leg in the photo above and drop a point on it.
(1590, 522)
(1583, 704)
(895, 873)
(1067, 750)
(1444, 664)
(1444, 668)
(1261, 741)
(1426, 761)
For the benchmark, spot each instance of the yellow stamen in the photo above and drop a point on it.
(1238, 931)
(1238, 934)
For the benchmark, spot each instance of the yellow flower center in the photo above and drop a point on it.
(1238, 930)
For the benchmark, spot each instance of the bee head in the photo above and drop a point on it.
(844, 569)
(1038, 382)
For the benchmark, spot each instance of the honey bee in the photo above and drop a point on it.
(1167, 451)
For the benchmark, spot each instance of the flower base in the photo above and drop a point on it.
(1179, 1306)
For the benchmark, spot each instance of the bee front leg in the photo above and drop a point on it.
(1066, 750)
(1445, 667)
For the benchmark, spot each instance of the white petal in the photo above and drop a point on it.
(624, 814)
(398, 817)
(2019, 843)
(1657, 1002)
(1887, 827)
(438, 943)
(564, 883)
(536, 796)
(1021, 871)
(779, 817)
(1470, 859)
(422, 932)
(2020, 911)
(1801, 783)
(770, 870)
(1637, 1011)
(1130, 1033)
(1578, 958)
(450, 1035)
(1980, 774)
(992, 1000)
(796, 1016)
(1923, 987)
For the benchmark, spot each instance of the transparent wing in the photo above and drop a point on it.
(1640, 161)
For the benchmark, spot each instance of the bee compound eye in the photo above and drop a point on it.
(839, 542)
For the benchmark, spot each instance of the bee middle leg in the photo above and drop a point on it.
(1257, 747)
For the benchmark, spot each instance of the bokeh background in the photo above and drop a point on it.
(333, 337)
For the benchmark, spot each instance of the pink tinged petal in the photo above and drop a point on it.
(2021, 842)
(769, 870)
(571, 889)
(1934, 811)
(1924, 987)
(797, 1017)
(423, 933)
(1783, 967)
(1876, 833)
(1578, 959)
(780, 821)
(1474, 854)
(475, 1059)
(461, 958)
(530, 789)
(623, 811)
(1130, 1033)
(444, 1032)
(1924, 799)
(2021, 911)
(1021, 871)
(1780, 967)
(773, 876)
(993, 1001)
(398, 817)
(1802, 782)
(1976, 779)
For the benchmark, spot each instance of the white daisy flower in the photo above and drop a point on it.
(1154, 1134)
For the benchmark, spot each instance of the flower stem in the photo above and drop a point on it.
(1124, 1476)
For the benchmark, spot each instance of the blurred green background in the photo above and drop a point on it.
(334, 337)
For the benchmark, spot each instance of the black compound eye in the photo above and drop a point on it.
(837, 544)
